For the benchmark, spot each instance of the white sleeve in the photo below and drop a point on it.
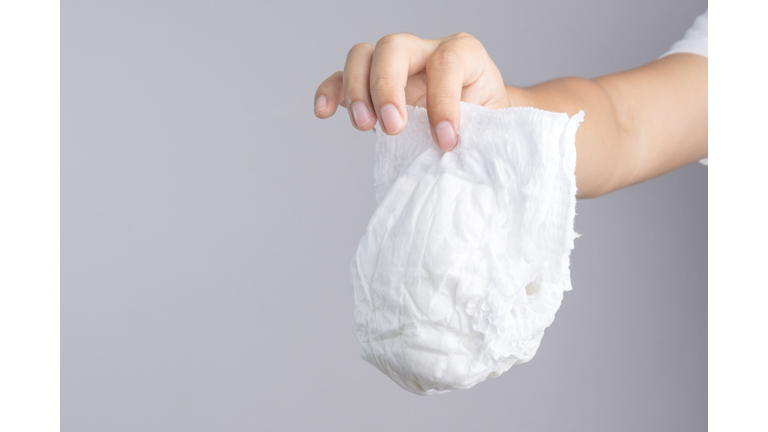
(694, 42)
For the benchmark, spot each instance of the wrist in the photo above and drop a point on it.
(518, 97)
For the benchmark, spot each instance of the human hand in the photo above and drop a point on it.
(378, 81)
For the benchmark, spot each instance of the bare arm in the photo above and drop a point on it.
(638, 124)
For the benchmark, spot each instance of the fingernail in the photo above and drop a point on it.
(360, 113)
(446, 136)
(321, 103)
(391, 118)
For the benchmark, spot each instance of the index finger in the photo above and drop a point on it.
(396, 58)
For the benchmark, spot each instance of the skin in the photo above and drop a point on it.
(638, 124)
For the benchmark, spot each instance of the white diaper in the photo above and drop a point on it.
(464, 263)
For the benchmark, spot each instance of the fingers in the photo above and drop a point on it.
(453, 65)
(445, 76)
(395, 59)
(376, 80)
(356, 79)
(329, 96)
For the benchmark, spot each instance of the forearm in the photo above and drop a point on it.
(638, 124)
(605, 157)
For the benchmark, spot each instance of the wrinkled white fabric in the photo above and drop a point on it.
(464, 263)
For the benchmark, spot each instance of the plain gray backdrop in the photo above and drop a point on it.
(209, 219)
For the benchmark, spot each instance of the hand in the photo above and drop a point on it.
(378, 81)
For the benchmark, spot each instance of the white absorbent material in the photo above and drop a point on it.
(465, 261)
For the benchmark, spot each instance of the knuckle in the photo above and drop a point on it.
(463, 35)
(462, 50)
(465, 41)
(388, 39)
(444, 57)
(441, 100)
(360, 48)
(394, 39)
(353, 86)
(383, 84)
(332, 80)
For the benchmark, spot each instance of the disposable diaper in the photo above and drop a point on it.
(464, 263)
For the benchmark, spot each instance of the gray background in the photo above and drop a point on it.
(209, 219)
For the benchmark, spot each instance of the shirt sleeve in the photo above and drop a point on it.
(694, 42)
